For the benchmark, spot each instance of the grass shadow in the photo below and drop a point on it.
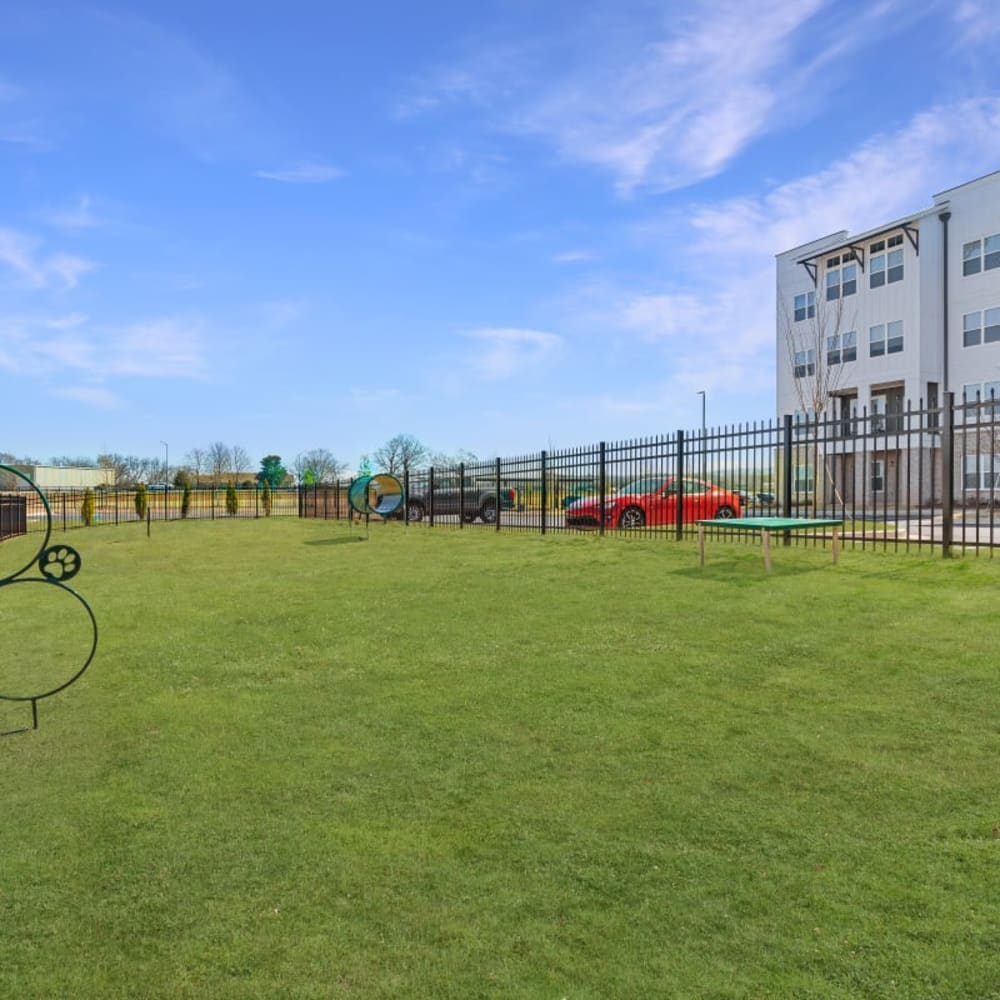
(334, 541)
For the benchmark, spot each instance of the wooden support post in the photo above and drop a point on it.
(701, 545)
(835, 546)
(765, 542)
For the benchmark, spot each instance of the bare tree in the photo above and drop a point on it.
(808, 344)
(439, 460)
(220, 460)
(242, 462)
(814, 349)
(197, 458)
(320, 463)
(399, 452)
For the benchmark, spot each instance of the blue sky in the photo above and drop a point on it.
(497, 226)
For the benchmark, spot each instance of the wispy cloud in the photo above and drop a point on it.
(303, 173)
(34, 269)
(574, 257)
(719, 327)
(505, 352)
(665, 107)
(79, 216)
(96, 396)
(160, 348)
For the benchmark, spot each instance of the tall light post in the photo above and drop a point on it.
(166, 476)
(704, 442)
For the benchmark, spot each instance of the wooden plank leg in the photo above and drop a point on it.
(836, 544)
(765, 542)
(701, 545)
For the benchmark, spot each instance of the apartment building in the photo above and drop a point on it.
(875, 326)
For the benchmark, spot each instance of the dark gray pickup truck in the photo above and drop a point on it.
(472, 501)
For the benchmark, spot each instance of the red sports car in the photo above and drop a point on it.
(650, 502)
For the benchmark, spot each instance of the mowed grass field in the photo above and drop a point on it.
(463, 764)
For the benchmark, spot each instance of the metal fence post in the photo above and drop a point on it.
(679, 484)
(430, 493)
(461, 494)
(947, 473)
(498, 493)
(602, 483)
(545, 492)
(786, 481)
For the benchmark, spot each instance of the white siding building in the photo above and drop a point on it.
(873, 322)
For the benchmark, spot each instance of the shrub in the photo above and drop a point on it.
(141, 501)
(186, 499)
(265, 498)
(232, 500)
(88, 507)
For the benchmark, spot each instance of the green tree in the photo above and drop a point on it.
(88, 508)
(141, 501)
(265, 498)
(186, 499)
(232, 500)
(272, 471)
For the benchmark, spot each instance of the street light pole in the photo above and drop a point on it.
(704, 443)
(166, 476)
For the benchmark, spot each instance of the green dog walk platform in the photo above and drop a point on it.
(765, 525)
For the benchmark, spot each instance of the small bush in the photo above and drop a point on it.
(265, 498)
(186, 499)
(141, 501)
(89, 507)
(232, 501)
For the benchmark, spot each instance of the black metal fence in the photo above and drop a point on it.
(899, 477)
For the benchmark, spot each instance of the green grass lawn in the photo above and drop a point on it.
(463, 764)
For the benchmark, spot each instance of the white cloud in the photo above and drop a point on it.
(95, 396)
(303, 173)
(505, 352)
(575, 257)
(79, 216)
(166, 347)
(32, 268)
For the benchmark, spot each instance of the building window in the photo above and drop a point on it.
(981, 472)
(841, 281)
(972, 329)
(876, 269)
(981, 400)
(805, 306)
(878, 476)
(801, 422)
(894, 265)
(981, 255)
(886, 338)
(981, 327)
(833, 349)
(849, 346)
(805, 363)
(894, 337)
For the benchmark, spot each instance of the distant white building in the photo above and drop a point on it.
(868, 323)
(58, 477)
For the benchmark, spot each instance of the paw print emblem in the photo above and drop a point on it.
(59, 562)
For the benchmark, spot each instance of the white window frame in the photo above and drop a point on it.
(981, 472)
(876, 340)
(982, 254)
(805, 363)
(849, 346)
(807, 309)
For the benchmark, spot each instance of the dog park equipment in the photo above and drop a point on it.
(380, 494)
(765, 525)
(57, 564)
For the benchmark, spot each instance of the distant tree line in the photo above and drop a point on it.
(220, 464)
